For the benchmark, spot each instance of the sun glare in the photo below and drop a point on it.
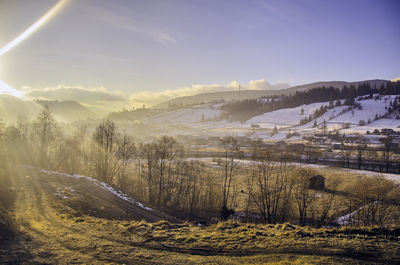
(6, 89)
(51, 13)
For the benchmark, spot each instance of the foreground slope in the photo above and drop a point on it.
(52, 229)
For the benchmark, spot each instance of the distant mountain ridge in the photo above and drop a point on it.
(247, 94)
(12, 107)
(68, 110)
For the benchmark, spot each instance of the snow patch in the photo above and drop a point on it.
(61, 193)
(347, 219)
(103, 185)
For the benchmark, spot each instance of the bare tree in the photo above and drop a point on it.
(303, 196)
(22, 127)
(71, 152)
(325, 204)
(166, 151)
(230, 164)
(189, 187)
(256, 149)
(272, 189)
(371, 196)
(387, 145)
(125, 152)
(105, 161)
(162, 169)
(347, 150)
(148, 170)
(44, 130)
(141, 190)
(361, 148)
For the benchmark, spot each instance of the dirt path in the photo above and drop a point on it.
(51, 238)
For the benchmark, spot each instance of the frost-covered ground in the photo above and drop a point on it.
(202, 120)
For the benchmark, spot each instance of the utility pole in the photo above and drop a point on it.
(239, 92)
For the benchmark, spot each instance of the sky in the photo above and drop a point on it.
(145, 52)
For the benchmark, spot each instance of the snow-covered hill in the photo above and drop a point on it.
(285, 117)
(204, 120)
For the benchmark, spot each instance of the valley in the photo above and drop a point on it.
(199, 132)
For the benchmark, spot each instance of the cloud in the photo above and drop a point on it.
(96, 96)
(259, 84)
(156, 35)
(153, 98)
(395, 79)
(101, 97)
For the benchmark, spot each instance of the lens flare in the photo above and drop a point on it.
(51, 13)
(6, 89)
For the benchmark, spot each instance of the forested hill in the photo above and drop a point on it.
(252, 94)
(245, 109)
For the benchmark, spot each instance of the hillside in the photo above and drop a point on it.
(204, 120)
(12, 107)
(66, 219)
(188, 116)
(249, 94)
